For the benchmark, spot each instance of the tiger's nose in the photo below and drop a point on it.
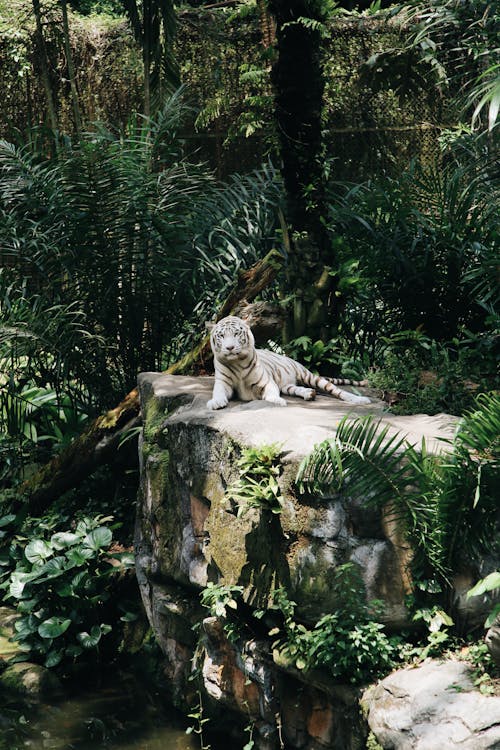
(230, 347)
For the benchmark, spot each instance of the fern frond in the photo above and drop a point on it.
(363, 459)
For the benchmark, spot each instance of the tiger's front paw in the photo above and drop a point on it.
(217, 403)
(276, 400)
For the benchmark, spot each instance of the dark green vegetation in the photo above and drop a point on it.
(117, 242)
(61, 590)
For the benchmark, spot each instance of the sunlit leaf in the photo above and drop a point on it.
(99, 538)
(37, 551)
(53, 627)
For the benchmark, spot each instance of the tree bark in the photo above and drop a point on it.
(98, 443)
(298, 82)
(44, 66)
(71, 70)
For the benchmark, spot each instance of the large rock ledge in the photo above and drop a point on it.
(433, 707)
(188, 534)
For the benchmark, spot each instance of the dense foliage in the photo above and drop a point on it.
(109, 247)
(62, 587)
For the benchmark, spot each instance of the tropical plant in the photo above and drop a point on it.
(129, 221)
(348, 644)
(100, 223)
(39, 414)
(221, 600)
(235, 225)
(446, 502)
(44, 402)
(61, 588)
(491, 582)
(457, 45)
(424, 245)
(257, 485)
(419, 375)
(438, 637)
(314, 354)
(154, 27)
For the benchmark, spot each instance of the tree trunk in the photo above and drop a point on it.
(98, 443)
(71, 70)
(44, 66)
(298, 82)
(146, 54)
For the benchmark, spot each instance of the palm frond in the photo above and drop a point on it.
(479, 431)
(364, 460)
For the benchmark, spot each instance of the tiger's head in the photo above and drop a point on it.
(231, 339)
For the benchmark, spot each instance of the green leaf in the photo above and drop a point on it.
(80, 555)
(53, 658)
(63, 539)
(127, 559)
(53, 627)
(37, 551)
(51, 569)
(91, 640)
(26, 626)
(17, 583)
(492, 616)
(491, 582)
(98, 538)
(129, 617)
(5, 520)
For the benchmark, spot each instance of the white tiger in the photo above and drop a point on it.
(260, 374)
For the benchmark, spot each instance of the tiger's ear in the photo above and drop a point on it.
(209, 325)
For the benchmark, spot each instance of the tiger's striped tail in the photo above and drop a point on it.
(345, 381)
(329, 385)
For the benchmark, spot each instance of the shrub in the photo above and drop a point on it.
(61, 586)
(348, 644)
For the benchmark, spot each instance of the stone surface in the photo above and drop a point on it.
(189, 533)
(31, 681)
(8, 647)
(493, 641)
(432, 707)
(299, 426)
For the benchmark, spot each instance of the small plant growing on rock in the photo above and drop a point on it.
(347, 643)
(257, 486)
(490, 583)
(218, 598)
(447, 503)
(438, 637)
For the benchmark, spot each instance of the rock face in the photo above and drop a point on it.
(31, 681)
(493, 641)
(189, 534)
(433, 707)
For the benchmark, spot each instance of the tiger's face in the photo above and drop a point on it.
(231, 339)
